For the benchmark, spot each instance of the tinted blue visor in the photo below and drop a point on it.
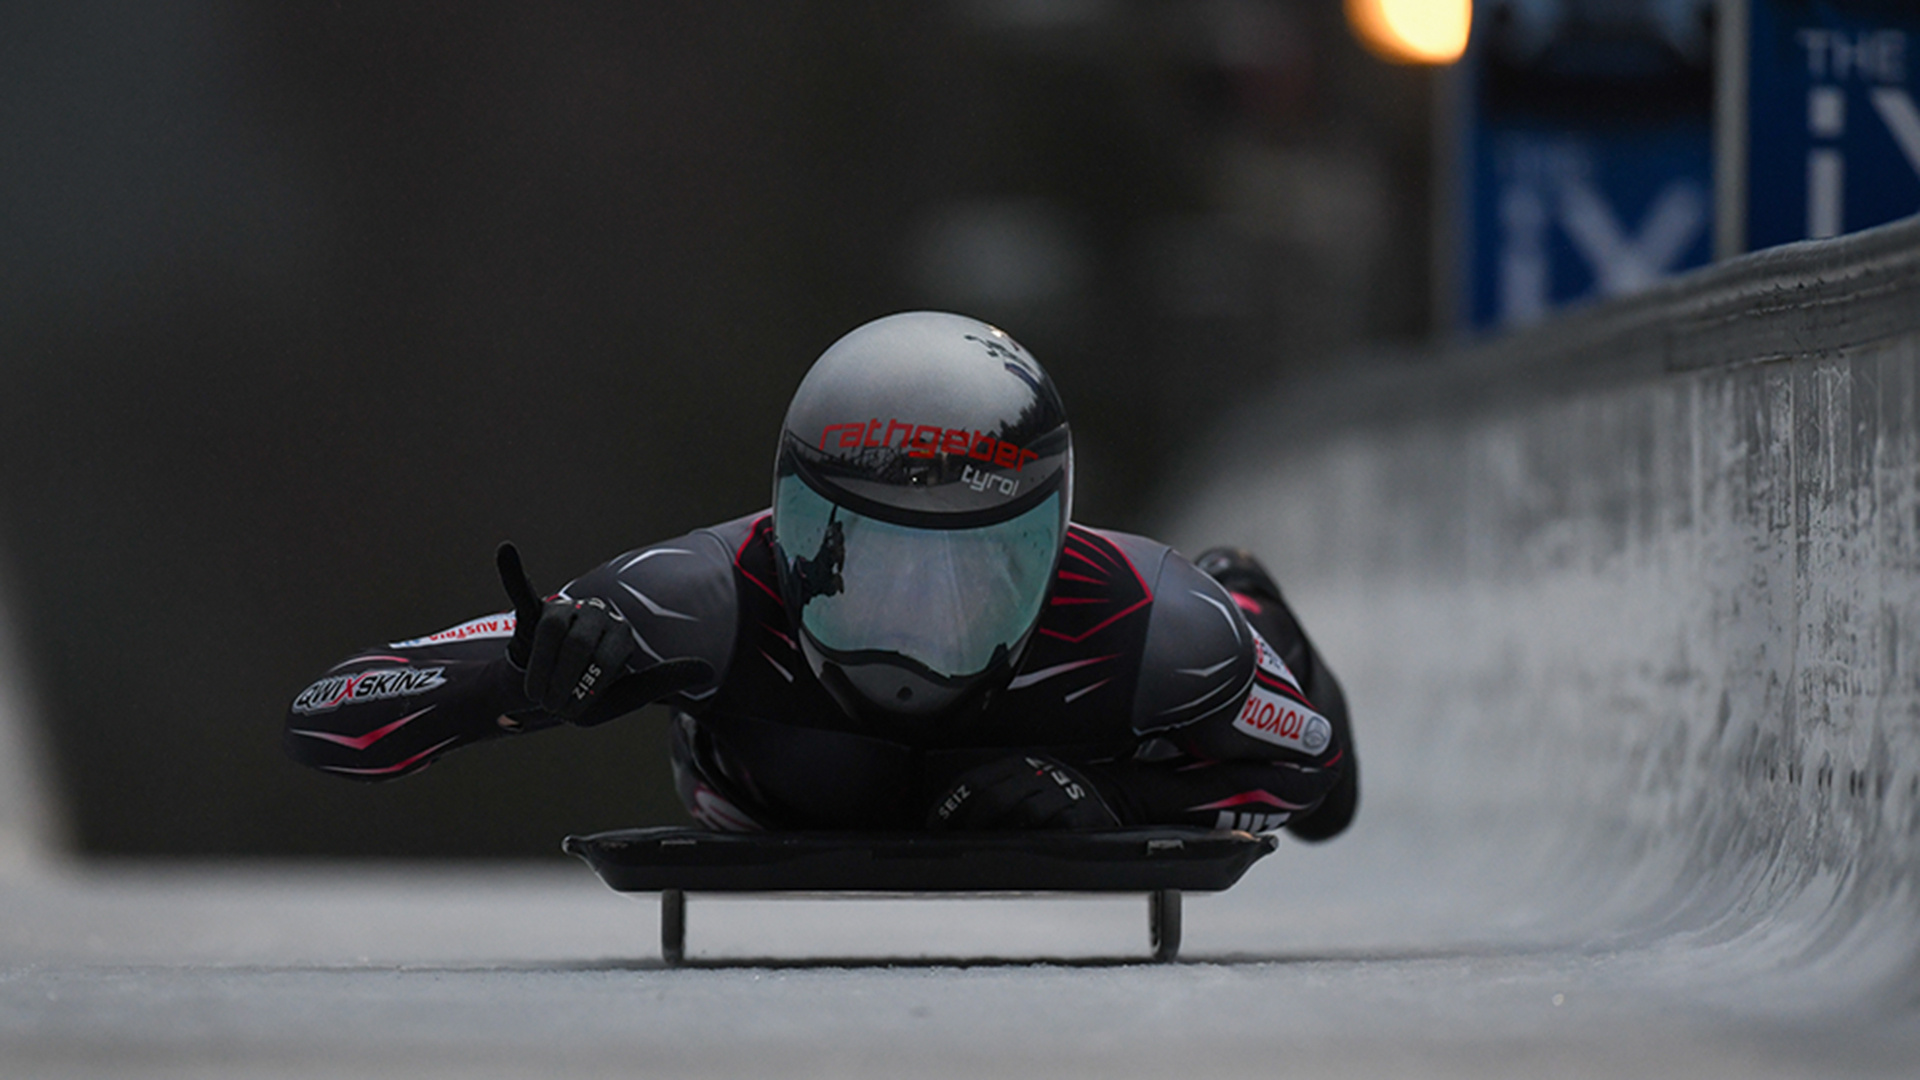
(951, 600)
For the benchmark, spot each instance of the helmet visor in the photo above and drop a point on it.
(950, 599)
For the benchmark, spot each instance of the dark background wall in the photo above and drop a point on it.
(305, 306)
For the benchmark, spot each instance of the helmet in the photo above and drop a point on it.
(920, 505)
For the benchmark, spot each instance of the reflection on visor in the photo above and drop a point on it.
(947, 598)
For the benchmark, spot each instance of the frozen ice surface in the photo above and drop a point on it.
(1367, 957)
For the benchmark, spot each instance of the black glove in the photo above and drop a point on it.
(1025, 791)
(575, 653)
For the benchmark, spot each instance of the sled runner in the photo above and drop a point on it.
(1161, 862)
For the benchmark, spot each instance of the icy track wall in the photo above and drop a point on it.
(1628, 605)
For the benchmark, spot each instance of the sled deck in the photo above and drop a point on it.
(1160, 862)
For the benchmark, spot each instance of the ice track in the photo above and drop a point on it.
(1380, 956)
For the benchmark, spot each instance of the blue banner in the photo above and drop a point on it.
(1565, 214)
(1833, 132)
(1587, 155)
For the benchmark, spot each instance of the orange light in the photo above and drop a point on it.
(1412, 31)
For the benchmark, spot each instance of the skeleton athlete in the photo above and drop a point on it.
(914, 636)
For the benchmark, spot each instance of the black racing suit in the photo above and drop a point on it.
(1182, 702)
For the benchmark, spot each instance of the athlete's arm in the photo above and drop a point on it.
(392, 710)
(1231, 736)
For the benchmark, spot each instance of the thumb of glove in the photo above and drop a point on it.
(526, 603)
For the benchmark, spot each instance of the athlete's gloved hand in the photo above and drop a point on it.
(576, 653)
(1024, 791)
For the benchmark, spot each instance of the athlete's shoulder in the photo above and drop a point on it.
(1157, 568)
(737, 535)
(1118, 567)
(1200, 653)
(713, 551)
(1140, 550)
(748, 542)
(695, 567)
(680, 595)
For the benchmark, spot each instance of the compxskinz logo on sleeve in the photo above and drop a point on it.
(376, 685)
